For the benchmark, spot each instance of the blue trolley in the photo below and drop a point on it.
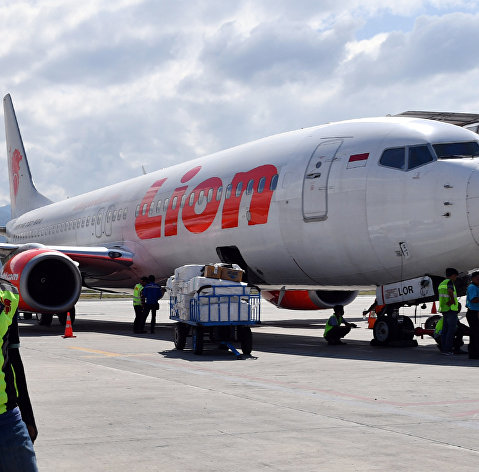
(222, 313)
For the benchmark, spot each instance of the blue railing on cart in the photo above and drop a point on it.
(228, 309)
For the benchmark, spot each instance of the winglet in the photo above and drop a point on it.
(23, 194)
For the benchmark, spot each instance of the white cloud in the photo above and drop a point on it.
(102, 87)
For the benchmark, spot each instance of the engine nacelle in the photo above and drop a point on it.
(47, 280)
(309, 299)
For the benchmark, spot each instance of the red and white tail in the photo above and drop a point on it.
(23, 194)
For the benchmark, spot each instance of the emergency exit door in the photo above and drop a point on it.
(316, 178)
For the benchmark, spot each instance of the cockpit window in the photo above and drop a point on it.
(395, 158)
(457, 150)
(418, 156)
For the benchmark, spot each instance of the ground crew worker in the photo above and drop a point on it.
(138, 306)
(461, 330)
(472, 315)
(449, 307)
(151, 293)
(333, 331)
(17, 423)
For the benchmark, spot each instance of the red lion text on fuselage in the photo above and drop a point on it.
(198, 208)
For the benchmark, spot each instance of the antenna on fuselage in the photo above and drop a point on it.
(143, 169)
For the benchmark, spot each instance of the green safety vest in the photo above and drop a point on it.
(137, 294)
(444, 297)
(8, 392)
(329, 327)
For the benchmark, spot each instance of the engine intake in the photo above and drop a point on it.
(48, 281)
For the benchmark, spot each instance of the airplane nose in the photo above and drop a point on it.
(472, 204)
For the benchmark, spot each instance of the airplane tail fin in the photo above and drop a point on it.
(23, 194)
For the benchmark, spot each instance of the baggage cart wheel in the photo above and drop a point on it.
(246, 339)
(197, 339)
(181, 331)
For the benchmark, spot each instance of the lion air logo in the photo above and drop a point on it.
(16, 158)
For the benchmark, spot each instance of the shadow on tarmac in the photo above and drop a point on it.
(274, 343)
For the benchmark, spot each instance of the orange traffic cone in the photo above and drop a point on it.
(433, 309)
(68, 328)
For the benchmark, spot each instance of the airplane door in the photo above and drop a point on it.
(99, 223)
(315, 184)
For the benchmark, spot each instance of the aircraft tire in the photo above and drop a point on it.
(45, 319)
(431, 322)
(384, 331)
(407, 329)
(197, 339)
(246, 339)
(181, 331)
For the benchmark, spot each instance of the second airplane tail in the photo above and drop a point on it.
(23, 194)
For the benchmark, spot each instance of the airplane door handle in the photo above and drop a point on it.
(313, 175)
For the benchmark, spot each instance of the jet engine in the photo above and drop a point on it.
(309, 299)
(48, 281)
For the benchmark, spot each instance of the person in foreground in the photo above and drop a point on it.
(17, 423)
(472, 315)
(333, 331)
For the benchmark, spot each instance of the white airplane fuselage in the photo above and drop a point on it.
(327, 214)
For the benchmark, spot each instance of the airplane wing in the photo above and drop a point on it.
(94, 262)
(459, 119)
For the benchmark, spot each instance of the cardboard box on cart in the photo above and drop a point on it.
(212, 271)
(235, 275)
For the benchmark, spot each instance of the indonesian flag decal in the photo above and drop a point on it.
(358, 160)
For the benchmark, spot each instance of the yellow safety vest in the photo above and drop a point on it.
(329, 327)
(137, 294)
(444, 297)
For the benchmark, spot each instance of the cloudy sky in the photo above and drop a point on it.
(102, 87)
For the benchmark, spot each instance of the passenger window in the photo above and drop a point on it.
(145, 207)
(158, 206)
(125, 210)
(261, 183)
(183, 201)
(120, 211)
(174, 202)
(137, 211)
(239, 188)
(210, 195)
(219, 191)
(274, 182)
(200, 197)
(114, 215)
(249, 187)
(192, 199)
(165, 205)
(108, 216)
(394, 158)
(83, 222)
(228, 191)
(418, 156)
(98, 219)
(87, 221)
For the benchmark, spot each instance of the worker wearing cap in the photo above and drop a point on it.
(151, 293)
(333, 331)
(138, 306)
(17, 423)
(449, 307)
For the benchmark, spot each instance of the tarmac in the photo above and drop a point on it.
(111, 400)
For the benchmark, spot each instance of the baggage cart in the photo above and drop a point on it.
(219, 313)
